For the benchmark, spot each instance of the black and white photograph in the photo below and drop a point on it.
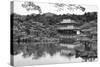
(53, 33)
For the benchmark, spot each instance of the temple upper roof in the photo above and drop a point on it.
(67, 21)
(68, 24)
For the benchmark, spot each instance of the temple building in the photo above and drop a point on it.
(68, 27)
(68, 30)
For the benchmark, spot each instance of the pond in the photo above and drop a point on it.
(19, 60)
(66, 55)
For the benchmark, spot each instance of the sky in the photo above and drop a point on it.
(49, 7)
